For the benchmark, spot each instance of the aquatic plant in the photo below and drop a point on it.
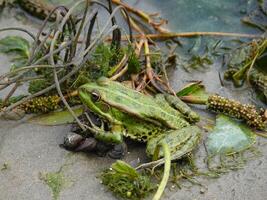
(41, 104)
(235, 109)
(259, 80)
(243, 60)
(56, 181)
(126, 182)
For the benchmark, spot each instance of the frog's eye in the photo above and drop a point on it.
(95, 96)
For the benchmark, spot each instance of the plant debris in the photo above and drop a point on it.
(126, 182)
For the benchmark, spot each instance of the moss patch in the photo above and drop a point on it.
(5, 167)
(56, 181)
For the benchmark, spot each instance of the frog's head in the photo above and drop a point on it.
(94, 96)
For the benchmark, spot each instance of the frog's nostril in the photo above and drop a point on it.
(82, 89)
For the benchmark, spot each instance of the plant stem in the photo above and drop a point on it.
(167, 167)
(170, 35)
(52, 62)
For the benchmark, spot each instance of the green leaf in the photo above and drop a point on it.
(229, 137)
(18, 46)
(189, 89)
(124, 168)
(13, 99)
(55, 118)
(194, 93)
(15, 44)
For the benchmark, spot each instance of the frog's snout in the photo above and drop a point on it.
(83, 90)
(83, 93)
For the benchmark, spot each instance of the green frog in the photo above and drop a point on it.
(140, 117)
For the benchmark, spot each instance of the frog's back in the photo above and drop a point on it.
(155, 110)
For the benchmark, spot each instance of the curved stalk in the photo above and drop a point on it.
(167, 167)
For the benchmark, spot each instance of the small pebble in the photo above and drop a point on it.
(202, 190)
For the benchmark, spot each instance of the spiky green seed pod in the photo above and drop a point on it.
(235, 109)
(41, 104)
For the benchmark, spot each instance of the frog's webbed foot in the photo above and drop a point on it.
(118, 151)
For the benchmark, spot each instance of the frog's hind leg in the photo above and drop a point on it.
(180, 142)
(182, 107)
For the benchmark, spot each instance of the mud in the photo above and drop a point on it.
(30, 150)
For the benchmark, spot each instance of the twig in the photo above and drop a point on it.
(149, 69)
(52, 62)
(9, 74)
(75, 69)
(11, 92)
(118, 66)
(18, 29)
(35, 47)
(116, 76)
(103, 30)
(144, 16)
(76, 38)
(170, 35)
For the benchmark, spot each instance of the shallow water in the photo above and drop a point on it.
(200, 15)
(193, 15)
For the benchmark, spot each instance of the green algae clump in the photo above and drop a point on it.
(56, 181)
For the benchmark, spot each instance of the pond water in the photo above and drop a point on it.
(194, 15)
(200, 15)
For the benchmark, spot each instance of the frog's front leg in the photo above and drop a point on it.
(180, 142)
(115, 137)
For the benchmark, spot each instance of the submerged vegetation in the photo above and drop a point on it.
(71, 50)
(56, 181)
